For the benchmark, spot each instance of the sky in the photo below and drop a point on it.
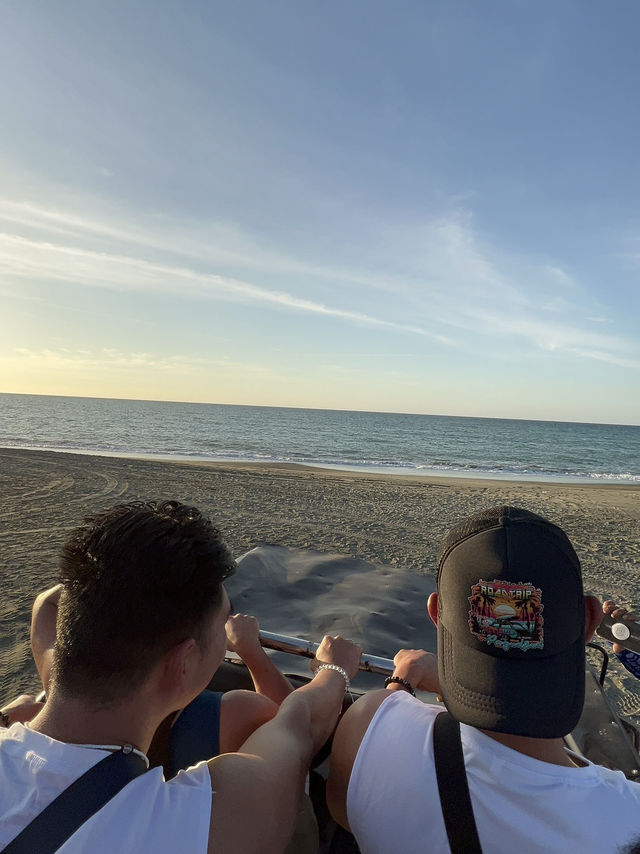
(417, 206)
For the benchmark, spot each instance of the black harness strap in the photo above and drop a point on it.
(453, 787)
(76, 804)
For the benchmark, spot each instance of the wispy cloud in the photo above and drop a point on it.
(552, 335)
(444, 280)
(216, 243)
(610, 358)
(560, 276)
(109, 360)
(41, 260)
(491, 295)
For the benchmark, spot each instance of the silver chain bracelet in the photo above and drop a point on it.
(337, 669)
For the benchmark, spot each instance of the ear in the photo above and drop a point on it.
(178, 665)
(593, 615)
(432, 608)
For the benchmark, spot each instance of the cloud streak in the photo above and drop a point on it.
(41, 260)
(444, 280)
(108, 360)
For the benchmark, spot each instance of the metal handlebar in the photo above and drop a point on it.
(307, 649)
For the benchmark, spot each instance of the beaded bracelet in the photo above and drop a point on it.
(4, 719)
(337, 669)
(406, 685)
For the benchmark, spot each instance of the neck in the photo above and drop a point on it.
(78, 721)
(550, 750)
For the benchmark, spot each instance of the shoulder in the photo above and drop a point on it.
(346, 743)
(150, 814)
(358, 719)
(356, 730)
(616, 783)
(241, 713)
(171, 816)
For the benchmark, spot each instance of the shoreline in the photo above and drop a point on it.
(394, 522)
(388, 472)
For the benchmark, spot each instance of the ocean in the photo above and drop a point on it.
(362, 441)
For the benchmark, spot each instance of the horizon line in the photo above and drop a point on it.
(321, 409)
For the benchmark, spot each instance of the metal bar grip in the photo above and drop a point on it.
(307, 649)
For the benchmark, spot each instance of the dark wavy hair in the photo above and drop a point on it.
(138, 579)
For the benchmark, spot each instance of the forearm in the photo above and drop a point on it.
(265, 778)
(266, 775)
(267, 679)
(308, 716)
(323, 696)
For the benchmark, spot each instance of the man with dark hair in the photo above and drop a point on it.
(512, 624)
(152, 576)
(140, 632)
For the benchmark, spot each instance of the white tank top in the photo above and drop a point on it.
(520, 804)
(149, 814)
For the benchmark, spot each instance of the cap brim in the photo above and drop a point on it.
(538, 697)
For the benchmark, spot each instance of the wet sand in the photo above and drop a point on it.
(382, 534)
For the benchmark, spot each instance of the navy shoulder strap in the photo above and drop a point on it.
(453, 787)
(196, 734)
(76, 804)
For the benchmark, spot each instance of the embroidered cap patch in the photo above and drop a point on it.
(507, 615)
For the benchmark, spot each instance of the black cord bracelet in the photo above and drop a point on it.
(406, 685)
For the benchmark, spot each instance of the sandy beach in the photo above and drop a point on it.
(382, 532)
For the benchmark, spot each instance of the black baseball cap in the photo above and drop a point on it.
(511, 624)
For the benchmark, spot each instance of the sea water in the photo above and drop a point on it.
(366, 441)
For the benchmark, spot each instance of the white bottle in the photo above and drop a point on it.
(625, 633)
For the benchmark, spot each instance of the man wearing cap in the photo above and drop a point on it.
(512, 624)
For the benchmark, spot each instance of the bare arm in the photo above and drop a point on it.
(43, 631)
(265, 780)
(415, 666)
(346, 743)
(244, 639)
